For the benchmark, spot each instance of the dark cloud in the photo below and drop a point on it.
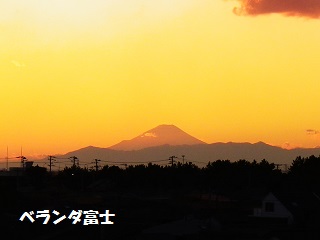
(312, 132)
(302, 8)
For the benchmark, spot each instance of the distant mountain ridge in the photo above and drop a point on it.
(158, 144)
(160, 135)
(199, 154)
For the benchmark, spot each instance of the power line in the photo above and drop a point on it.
(75, 161)
(134, 161)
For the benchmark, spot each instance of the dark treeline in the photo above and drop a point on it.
(220, 175)
(143, 196)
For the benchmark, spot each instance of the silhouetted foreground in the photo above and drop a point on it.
(224, 200)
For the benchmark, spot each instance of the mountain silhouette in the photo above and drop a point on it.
(158, 136)
(200, 154)
(164, 141)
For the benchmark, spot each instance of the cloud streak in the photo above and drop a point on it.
(300, 8)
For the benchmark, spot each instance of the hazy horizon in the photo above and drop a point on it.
(161, 135)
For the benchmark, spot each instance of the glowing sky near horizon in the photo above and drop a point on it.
(76, 73)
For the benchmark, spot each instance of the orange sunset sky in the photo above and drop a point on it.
(75, 73)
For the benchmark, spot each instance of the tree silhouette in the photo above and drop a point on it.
(305, 172)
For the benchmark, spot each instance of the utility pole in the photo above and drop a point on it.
(183, 159)
(7, 159)
(74, 159)
(96, 164)
(171, 160)
(51, 159)
(22, 159)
